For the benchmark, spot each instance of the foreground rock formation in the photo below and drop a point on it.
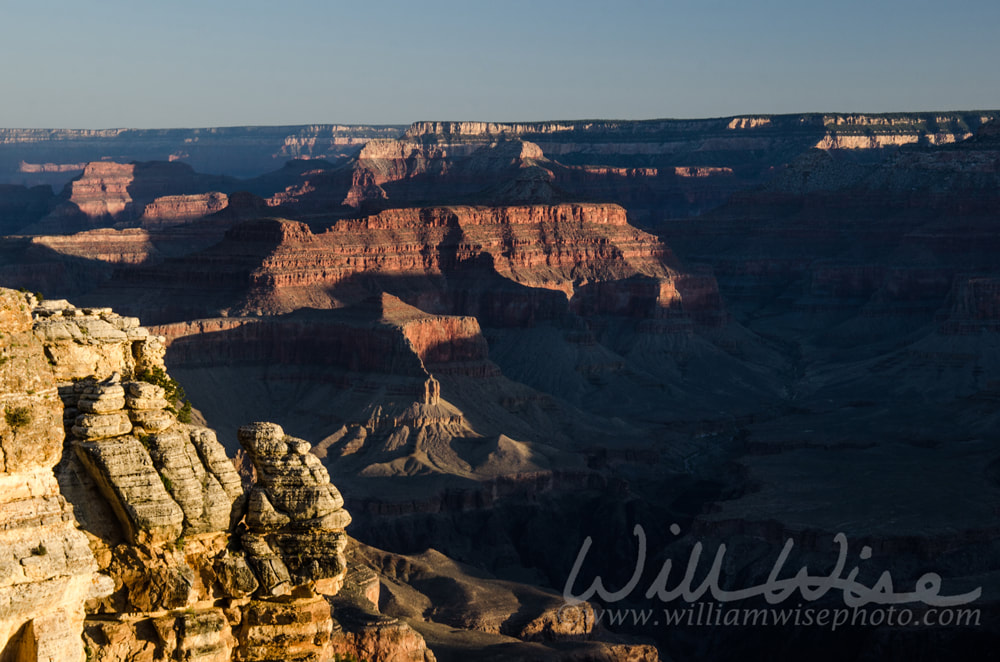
(166, 553)
(171, 570)
(47, 570)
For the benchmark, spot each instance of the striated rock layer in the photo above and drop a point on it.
(47, 570)
(149, 194)
(505, 265)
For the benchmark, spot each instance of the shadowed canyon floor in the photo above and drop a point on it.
(502, 339)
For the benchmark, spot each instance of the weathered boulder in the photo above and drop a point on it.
(294, 480)
(128, 480)
(295, 517)
(102, 426)
(296, 631)
(140, 396)
(235, 576)
(196, 636)
(94, 343)
(102, 399)
(206, 505)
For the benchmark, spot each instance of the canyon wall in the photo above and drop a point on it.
(148, 193)
(495, 367)
(541, 253)
(440, 162)
(49, 571)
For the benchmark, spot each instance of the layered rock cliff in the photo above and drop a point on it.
(49, 571)
(150, 194)
(726, 154)
(445, 162)
(282, 265)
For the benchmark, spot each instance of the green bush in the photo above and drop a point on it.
(159, 377)
(17, 417)
(184, 415)
(172, 391)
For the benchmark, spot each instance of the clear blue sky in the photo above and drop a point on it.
(217, 63)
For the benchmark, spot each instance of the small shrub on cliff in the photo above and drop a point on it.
(184, 414)
(17, 417)
(172, 391)
(40, 550)
(159, 377)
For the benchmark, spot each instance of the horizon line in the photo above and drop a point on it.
(392, 125)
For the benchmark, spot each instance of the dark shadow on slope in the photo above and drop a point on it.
(26, 264)
(21, 206)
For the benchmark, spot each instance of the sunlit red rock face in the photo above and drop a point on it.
(508, 264)
(102, 190)
(108, 246)
(413, 171)
(544, 247)
(173, 209)
(150, 194)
